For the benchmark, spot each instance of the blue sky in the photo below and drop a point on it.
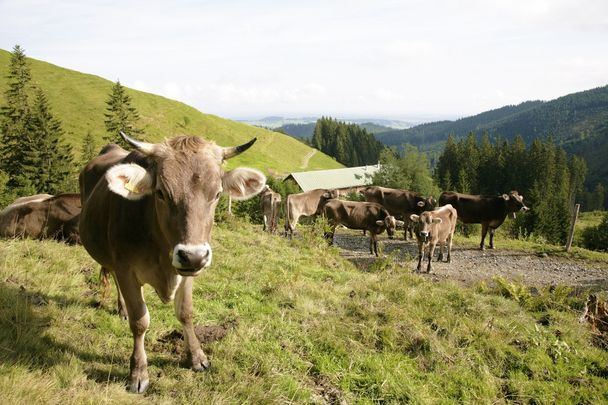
(380, 58)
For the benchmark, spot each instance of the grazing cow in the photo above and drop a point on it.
(270, 204)
(42, 217)
(305, 204)
(399, 203)
(489, 211)
(434, 227)
(367, 216)
(148, 220)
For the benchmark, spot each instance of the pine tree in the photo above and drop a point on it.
(120, 115)
(14, 125)
(88, 149)
(48, 161)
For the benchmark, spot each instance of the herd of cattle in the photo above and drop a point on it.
(146, 216)
(387, 209)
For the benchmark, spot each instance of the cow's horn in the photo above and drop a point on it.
(235, 150)
(144, 147)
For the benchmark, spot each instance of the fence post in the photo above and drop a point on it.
(571, 233)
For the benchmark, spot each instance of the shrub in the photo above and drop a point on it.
(596, 237)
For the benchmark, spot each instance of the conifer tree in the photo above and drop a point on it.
(88, 149)
(120, 115)
(48, 161)
(14, 118)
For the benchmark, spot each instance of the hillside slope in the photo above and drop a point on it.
(578, 122)
(78, 100)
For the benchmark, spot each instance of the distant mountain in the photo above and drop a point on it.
(578, 122)
(276, 122)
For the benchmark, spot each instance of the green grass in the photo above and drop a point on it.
(78, 100)
(308, 327)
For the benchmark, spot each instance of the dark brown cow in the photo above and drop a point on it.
(305, 204)
(270, 204)
(432, 227)
(42, 217)
(489, 211)
(148, 220)
(399, 203)
(366, 216)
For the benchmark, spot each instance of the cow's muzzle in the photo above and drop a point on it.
(424, 236)
(189, 260)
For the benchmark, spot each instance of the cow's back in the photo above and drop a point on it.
(475, 208)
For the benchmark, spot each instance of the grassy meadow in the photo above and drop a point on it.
(298, 324)
(79, 101)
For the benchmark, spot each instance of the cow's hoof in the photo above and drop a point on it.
(200, 361)
(491, 247)
(482, 248)
(139, 383)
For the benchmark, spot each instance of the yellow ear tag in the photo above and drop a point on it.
(132, 188)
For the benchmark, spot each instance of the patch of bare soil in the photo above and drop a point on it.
(172, 342)
(471, 265)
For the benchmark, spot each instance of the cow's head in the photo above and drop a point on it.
(329, 194)
(185, 182)
(515, 203)
(423, 224)
(426, 204)
(391, 224)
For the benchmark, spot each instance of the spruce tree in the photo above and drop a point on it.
(14, 118)
(120, 115)
(88, 149)
(48, 161)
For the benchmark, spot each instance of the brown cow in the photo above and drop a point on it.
(305, 204)
(42, 217)
(434, 227)
(270, 204)
(367, 216)
(399, 203)
(489, 211)
(148, 220)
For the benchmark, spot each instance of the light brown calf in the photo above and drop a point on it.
(432, 227)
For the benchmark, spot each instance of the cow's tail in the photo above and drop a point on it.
(104, 280)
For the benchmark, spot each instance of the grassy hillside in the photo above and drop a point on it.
(296, 324)
(78, 100)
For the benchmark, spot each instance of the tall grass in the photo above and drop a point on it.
(302, 326)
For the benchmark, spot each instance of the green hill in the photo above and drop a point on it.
(578, 122)
(78, 100)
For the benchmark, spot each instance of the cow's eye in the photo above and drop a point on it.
(160, 195)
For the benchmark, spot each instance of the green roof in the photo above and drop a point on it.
(335, 178)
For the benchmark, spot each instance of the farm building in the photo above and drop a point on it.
(345, 180)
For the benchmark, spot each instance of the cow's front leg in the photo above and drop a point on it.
(484, 231)
(139, 320)
(429, 267)
(420, 256)
(492, 238)
(183, 311)
(373, 243)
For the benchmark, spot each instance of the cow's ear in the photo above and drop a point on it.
(399, 224)
(414, 218)
(420, 204)
(243, 183)
(130, 181)
(436, 220)
(506, 197)
(379, 222)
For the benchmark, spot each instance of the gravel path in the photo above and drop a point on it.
(470, 265)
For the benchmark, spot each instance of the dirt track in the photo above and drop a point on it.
(470, 265)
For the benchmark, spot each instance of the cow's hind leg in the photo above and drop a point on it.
(373, 244)
(183, 311)
(440, 255)
(121, 307)
(449, 243)
(139, 320)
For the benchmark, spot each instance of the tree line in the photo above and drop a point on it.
(349, 144)
(34, 155)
